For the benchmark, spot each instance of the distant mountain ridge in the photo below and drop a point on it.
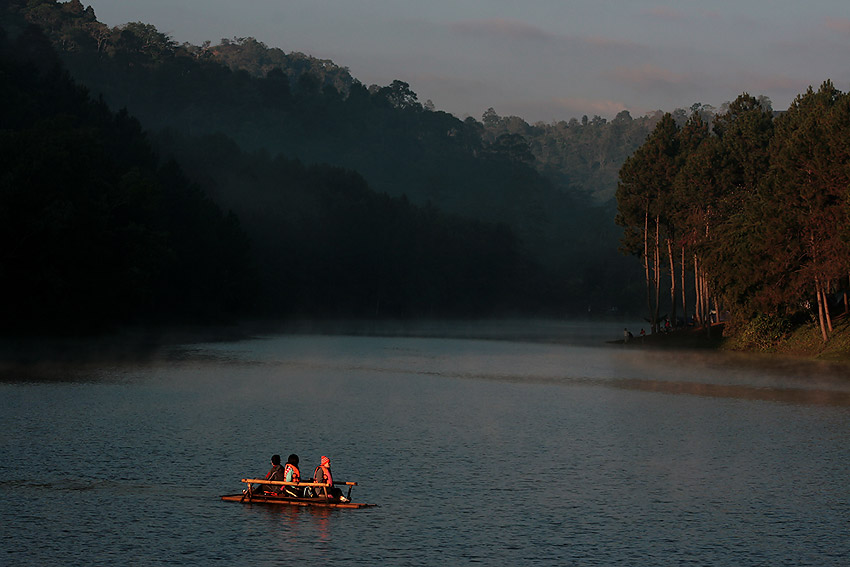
(255, 57)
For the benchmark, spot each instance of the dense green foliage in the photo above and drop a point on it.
(100, 231)
(584, 155)
(762, 333)
(328, 245)
(419, 213)
(554, 231)
(524, 237)
(96, 231)
(756, 207)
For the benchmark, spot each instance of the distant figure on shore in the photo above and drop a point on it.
(642, 334)
(627, 335)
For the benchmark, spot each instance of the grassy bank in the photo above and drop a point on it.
(807, 341)
(804, 341)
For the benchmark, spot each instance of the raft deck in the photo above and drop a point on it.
(286, 501)
(293, 501)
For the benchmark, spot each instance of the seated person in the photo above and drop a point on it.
(323, 474)
(275, 473)
(292, 474)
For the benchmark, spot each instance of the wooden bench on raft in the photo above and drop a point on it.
(300, 484)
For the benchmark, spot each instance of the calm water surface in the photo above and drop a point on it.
(498, 452)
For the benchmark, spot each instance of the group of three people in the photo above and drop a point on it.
(291, 473)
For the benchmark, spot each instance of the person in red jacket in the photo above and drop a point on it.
(323, 474)
(292, 474)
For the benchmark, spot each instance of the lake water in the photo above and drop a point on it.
(540, 449)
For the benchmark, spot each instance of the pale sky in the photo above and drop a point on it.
(543, 60)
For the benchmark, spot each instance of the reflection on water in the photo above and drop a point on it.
(784, 395)
(502, 452)
(297, 522)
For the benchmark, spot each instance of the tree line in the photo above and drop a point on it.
(748, 214)
(314, 112)
(105, 224)
(329, 246)
(96, 229)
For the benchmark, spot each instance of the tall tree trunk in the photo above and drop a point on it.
(706, 299)
(826, 310)
(657, 274)
(672, 282)
(646, 266)
(846, 300)
(697, 294)
(684, 295)
(820, 311)
(716, 312)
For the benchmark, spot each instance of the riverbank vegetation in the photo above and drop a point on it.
(801, 340)
(750, 212)
(763, 335)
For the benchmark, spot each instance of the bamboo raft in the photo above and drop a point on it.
(280, 499)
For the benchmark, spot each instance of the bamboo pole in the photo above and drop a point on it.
(283, 483)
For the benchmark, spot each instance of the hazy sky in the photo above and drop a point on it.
(539, 59)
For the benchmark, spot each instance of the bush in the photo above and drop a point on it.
(762, 333)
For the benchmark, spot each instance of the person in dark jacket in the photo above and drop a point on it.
(275, 473)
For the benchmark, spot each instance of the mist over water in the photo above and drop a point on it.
(535, 448)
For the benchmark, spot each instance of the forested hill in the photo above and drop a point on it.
(95, 229)
(100, 232)
(314, 111)
(579, 155)
(279, 113)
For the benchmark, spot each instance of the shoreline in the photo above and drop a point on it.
(138, 344)
(803, 342)
(806, 341)
(709, 338)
